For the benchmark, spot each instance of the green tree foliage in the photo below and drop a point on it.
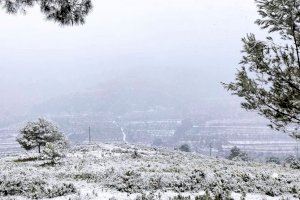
(37, 134)
(185, 148)
(237, 154)
(65, 12)
(269, 76)
(274, 160)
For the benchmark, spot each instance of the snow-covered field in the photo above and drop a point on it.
(120, 171)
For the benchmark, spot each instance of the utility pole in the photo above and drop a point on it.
(210, 148)
(297, 150)
(89, 135)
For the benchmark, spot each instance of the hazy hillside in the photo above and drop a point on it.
(139, 90)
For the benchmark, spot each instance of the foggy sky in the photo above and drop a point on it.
(40, 59)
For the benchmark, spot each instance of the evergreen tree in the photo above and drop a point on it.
(273, 159)
(65, 12)
(185, 148)
(38, 134)
(237, 154)
(269, 76)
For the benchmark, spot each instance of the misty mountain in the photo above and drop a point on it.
(137, 90)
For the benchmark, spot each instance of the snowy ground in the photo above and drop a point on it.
(8, 143)
(115, 171)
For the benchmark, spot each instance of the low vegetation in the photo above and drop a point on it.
(126, 172)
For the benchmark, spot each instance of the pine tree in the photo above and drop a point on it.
(185, 148)
(269, 76)
(65, 12)
(237, 154)
(37, 134)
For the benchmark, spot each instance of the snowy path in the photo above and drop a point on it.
(124, 135)
(122, 130)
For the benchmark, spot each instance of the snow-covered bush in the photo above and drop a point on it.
(147, 197)
(128, 181)
(155, 182)
(222, 195)
(206, 196)
(54, 151)
(295, 164)
(33, 188)
(180, 197)
(289, 159)
(135, 154)
(86, 176)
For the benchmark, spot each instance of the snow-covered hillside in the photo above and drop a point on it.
(8, 143)
(119, 171)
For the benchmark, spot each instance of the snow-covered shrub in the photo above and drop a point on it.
(197, 176)
(33, 188)
(62, 189)
(272, 192)
(153, 196)
(243, 196)
(146, 197)
(180, 197)
(155, 182)
(135, 155)
(127, 181)
(13, 186)
(89, 177)
(220, 195)
(289, 159)
(27, 159)
(54, 151)
(295, 189)
(221, 192)
(206, 196)
(295, 164)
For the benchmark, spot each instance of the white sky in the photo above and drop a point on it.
(40, 59)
